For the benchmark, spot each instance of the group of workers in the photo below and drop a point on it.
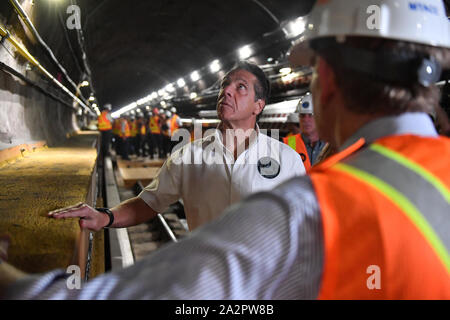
(369, 222)
(141, 134)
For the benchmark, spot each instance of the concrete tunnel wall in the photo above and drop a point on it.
(26, 114)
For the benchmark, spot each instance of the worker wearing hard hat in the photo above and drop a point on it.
(307, 143)
(371, 222)
(156, 144)
(105, 126)
(174, 125)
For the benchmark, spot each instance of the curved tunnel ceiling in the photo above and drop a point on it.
(137, 47)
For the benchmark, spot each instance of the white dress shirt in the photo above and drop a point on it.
(206, 177)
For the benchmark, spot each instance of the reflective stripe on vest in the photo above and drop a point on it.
(103, 122)
(126, 133)
(143, 129)
(173, 124)
(296, 142)
(134, 129)
(414, 199)
(116, 127)
(154, 125)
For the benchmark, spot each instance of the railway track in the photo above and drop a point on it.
(166, 227)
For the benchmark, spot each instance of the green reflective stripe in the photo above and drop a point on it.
(405, 205)
(425, 174)
(292, 142)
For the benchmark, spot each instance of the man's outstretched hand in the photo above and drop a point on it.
(89, 217)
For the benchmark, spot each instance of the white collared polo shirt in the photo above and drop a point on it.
(206, 177)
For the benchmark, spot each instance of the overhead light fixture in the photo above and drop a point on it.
(161, 92)
(181, 83)
(245, 52)
(169, 88)
(214, 66)
(285, 71)
(91, 98)
(85, 83)
(295, 28)
(154, 95)
(270, 59)
(288, 78)
(195, 76)
(94, 105)
(129, 107)
(193, 95)
(163, 104)
(142, 101)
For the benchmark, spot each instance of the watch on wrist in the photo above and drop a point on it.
(109, 213)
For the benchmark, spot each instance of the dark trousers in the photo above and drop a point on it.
(124, 148)
(137, 145)
(156, 145)
(106, 137)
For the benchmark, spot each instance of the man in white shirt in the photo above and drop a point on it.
(212, 173)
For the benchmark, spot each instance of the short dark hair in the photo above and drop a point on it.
(262, 86)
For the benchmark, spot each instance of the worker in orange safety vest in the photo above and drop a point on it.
(156, 137)
(306, 142)
(105, 127)
(124, 135)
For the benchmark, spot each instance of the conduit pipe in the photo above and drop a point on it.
(23, 15)
(24, 52)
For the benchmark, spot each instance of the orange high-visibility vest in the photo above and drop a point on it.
(173, 124)
(116, 127)
(143, 129)
(385, 212)
(296, 142)
(127, 132)
(154, 125)
(103, 122)
(134, 128)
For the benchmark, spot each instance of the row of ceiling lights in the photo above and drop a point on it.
(291, 30)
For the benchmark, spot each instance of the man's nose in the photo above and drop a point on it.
(228, 91)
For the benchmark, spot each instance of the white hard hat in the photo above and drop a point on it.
(417, 22)
(168, 114)
(108, 106)
(292, 118)
(305, 105)
(173, 110)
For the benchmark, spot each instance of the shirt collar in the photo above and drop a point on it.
(218, 135)
(417, 123)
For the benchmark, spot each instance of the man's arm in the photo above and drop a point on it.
(268, 247)
(129, 213)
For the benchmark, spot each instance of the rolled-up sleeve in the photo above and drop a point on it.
(165, 187)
